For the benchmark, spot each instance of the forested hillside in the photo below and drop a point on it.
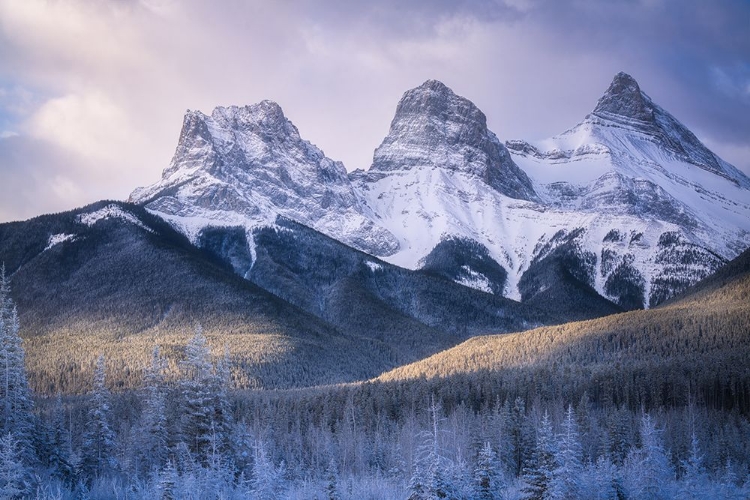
(305, 310)
(692, 349)
(128, 282)
(643, 405)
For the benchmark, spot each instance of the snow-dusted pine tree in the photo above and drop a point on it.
(649, 472)
(430, 477)
(538, 476)
(99, 439)
(267, 480)
(58, 443)
(168, 479)
(13, 474)
(694, 478)
(154, 436)
(518, 439)
(487, 478)
(566, 478)
(204, 421)
(600, 481)
(332, 481)
(222, 412)
(15, 396)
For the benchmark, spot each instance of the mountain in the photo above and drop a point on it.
(627, 206)
(114, 279)
(625, 210)
(436, 129)
(663, 211)
(449, 234)
(245, 166)
(352, 290)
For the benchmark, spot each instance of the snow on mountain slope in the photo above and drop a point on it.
(647, 207)
(629, 204)
(111, 211)
(245, 166)
(630, 156)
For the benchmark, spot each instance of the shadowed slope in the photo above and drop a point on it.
(112, 279)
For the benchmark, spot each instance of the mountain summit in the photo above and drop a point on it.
(244, 166)
(434, 127)
(624, 104)
(624, 98)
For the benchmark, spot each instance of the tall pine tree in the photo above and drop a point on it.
(648, 467)
(206, 415)
(566, 482)
(154, 437)
(99, 439)
(487, 479)
(538, 476)
(16, 403)
(429, 479)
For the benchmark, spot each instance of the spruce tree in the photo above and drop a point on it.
(332, 481)
(13, 474)
(99, 439)
(15, 396)
(695, 477)
(430, 479)
(197, 417)
(267, 481)
(566, 483)
(222, 412)
(650, 473)
(538, 476)
(487, 484)
(168, 479)
(154, 436)
(59, 444)
(519, 438)
(603, 481)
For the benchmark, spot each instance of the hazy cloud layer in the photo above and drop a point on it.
(92, 92)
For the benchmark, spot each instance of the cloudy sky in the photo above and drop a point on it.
(92, 92)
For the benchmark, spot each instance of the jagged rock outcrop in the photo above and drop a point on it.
(247, 165)
(435, 128)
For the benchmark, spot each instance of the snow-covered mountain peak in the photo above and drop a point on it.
(629, 203)
(266, 116)
(624, 98)
(435, 128)
(244, 166)
(629, 133)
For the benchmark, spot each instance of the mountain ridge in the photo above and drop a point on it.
(441, 175)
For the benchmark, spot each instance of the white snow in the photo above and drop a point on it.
(56, 239)
(373, 266)
(475, 280)
(108, 212)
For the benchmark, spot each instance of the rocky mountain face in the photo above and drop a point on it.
(624, 210)
(437, 129)
(665, 210)
(245, 166)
